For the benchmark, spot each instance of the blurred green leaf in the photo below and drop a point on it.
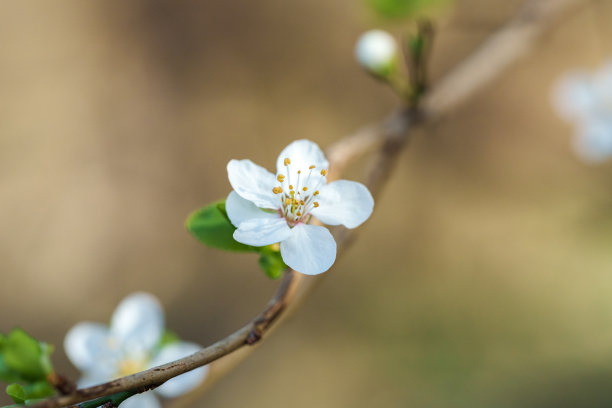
(211, 226)
(24, 393)
(17, 393)
(402, 8)
(271, 262)
(168, 337)
(23, 358)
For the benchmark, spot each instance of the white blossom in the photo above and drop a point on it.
(131, 344)
(268, 209)
(376, 51)
(586, 100)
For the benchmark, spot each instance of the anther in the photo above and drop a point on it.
(280, 178)
(299, 214)
(299, 171)
(316, 192)
(315, 204)
(287, 161)
(312, 167)
(292, 193)
(323, 172)
(302, 202)
(305, 188)
(290, 186)
(277, 190)
(287, 201)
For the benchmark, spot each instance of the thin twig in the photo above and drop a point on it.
(512, 41)
(502, 49)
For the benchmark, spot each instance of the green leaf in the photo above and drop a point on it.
(40, 389)
(24, 393)
(271, 262)
(211, 226)
(168, 337)
(23, 358)
(17, 393)
(395, 9)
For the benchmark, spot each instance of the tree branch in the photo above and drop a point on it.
(502, 49)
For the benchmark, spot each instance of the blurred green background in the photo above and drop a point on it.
(484, 277)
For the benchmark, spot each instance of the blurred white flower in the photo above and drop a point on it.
(266, 209)
(376, 51)
(131, 344)
(586, 100)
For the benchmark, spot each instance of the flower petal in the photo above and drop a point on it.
(303, 154)
(240, 210)
(184, 382)
(144, 400)
(344, 202)
(86, 343)
(138, 323)
(593, 143)
(311, 249)
(253, 183)
(99, 375)
(574, 97)
(262, 231)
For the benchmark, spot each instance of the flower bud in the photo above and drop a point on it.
(376, 51)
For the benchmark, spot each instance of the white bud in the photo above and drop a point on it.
(376, 51)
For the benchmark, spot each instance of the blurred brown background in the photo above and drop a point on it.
(484, 277)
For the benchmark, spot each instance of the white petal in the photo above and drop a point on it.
(240, 210)
(574, 96)
(253, 183)
(262, 231)
(144, 400)
(86, 344)
(138, 323)
(184, 382)
(303, 154)
(311, 249)
(344, 202)
(594, 141)
(99, 376)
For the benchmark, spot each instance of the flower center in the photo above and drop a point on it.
(130, 366)
(298, 191)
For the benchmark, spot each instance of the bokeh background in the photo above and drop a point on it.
(484, 277)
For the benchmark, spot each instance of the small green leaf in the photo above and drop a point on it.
(168, 337)
(271, 262)
(211, 226)
(394, 9)
(24, 358)
(24, 393)
(17, 393)
(40, 389)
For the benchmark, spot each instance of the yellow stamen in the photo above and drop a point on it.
(127, 367)
(316, 192)
(315, 204)
(299, 171)
(280, 178)
(287, 161)
(323, 172)
(287, 201)
(302, 202)
(290, 187)
(277, 190)
(305, 188)
(312, 167)
(298, 214)
(292, 193)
